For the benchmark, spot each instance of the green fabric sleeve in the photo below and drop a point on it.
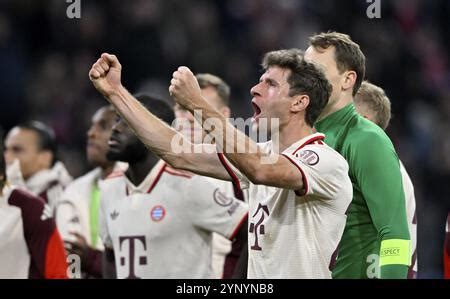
(394, 272)
(377, 171)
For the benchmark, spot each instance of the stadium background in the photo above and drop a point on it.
(45, 58)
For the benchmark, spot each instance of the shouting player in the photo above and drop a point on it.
(299, 189)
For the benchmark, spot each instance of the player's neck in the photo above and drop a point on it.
(138, 171)
(106, 170)
(338, 105)
(290, 134)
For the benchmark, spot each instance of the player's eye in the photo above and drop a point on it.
(16, 149)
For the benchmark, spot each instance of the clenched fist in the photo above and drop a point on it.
(105, 74)
(184, 87)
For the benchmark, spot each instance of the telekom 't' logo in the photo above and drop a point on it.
(258, 227)
(142, 259)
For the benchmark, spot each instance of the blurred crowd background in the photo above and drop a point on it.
(45, 58)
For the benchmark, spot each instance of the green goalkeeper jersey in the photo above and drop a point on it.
(376, 232)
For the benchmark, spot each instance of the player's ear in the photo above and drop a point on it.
(300, 103)
(349, 80)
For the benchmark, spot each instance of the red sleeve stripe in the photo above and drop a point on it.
(305, 181)
(318, 137)
(233, 235)
(236, 184)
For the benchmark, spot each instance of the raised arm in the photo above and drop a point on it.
(159, 137)
(260, 168)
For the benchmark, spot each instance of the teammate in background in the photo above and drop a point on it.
(372, 103)
(157, 220)
(376, 241)
(299, 189)
(225, 254)
(30, 152)
(77, 211)
(30, 246)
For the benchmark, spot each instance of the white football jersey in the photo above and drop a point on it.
(293, 235)
(410, 202)
(72, 213)
(163, 228)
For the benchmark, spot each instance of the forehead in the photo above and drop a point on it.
(22, 136)
(276, 73)
(103, 114)
(211, 95)
(323, 57)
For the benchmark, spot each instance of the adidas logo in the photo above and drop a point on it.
(114, 215)
(47, 213)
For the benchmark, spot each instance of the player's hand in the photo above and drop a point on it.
(105, 74)
(184, 87)
(14, 174)
(79, 246)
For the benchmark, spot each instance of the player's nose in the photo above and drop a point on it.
(9, 156)
(254, 91)
(90, 133)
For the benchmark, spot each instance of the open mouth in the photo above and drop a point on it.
(256, 109)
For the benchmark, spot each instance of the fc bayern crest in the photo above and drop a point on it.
(157, 213)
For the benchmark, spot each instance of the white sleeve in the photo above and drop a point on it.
(67, 219)
(212, 210)
(324, 171)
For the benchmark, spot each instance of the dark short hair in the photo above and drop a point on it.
(348, 55)
(222, 88)
(157, 106)
(46, 137)
(305, 78)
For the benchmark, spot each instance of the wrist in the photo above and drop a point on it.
(115, 93)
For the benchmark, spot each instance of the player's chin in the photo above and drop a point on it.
(92, 151)
(114, 154)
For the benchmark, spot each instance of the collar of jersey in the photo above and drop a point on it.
(304, 141)
(336, 119)
(150, 181)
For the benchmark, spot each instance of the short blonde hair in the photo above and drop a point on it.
(375, 100)
(222, 88)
